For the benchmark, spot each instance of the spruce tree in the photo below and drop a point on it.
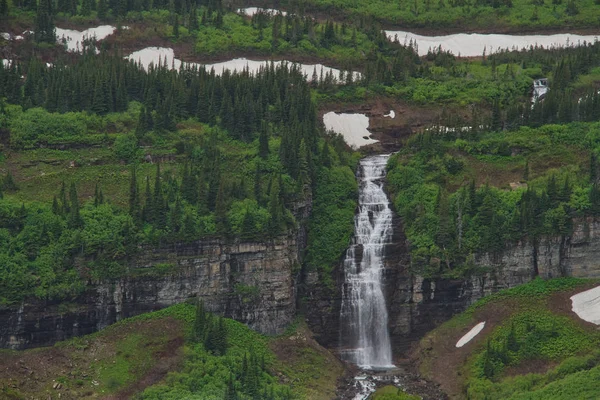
(275, 208)
(4, 7)
(134, 196)
(45, 30)
(263, 142)
(75, 220)
(102, 9)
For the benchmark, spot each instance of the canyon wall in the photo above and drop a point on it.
(252, 282)
(417, 304)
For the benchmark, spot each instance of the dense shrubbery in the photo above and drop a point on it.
(248, 150)
(224, 360)
(448, 217)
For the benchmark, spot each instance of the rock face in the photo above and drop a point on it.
(252, 282)
(416, 304)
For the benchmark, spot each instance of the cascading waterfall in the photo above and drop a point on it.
(364, 316)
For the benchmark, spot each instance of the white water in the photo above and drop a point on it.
(587, 305)
(364, 314)
(353, 127)
(250, 11)
(74, 39)
(473, 44)
(155, 55)
(471, 334)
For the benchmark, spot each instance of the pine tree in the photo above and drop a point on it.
(75, 220)
(4, 10)
(275, 208)
(325, 157)
(263, 142)
(8, 183)
(221, 209)
(200, 322)
(134, 196)
(102, 9)
(44, 23)
(176, 26)
(86, 7)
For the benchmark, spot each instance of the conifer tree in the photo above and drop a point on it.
(102, 9)
(75, 220)
(275, 208)
(263, 142)
(4, 10)
(134, 196)
(221, 209)
(44, 23)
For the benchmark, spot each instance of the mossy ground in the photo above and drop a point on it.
(539, 314)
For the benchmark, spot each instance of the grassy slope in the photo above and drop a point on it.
(556, 357)
(139, 352)
(442, 15)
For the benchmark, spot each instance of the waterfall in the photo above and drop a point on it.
(364, 315)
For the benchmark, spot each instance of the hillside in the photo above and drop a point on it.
(155, 356)
(532, 346)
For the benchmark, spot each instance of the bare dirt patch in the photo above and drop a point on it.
(440, 360)
(391, 132)
(72, 369)
(307, 366)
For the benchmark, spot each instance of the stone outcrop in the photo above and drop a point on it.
(252, 282)
(417, 304)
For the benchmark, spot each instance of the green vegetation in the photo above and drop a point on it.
(460, 192)
(234, 165)
(391, 393)
(533, 351)
(331, 225)
(163, 347)
(516, 15)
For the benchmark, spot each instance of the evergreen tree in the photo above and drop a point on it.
(134, 196)
(176, 26)
(275, 208)
(45, 30)
(221, 209)
(75, 220)
(325, 158)
(4, 10)
(102, 9)
(200, 322)
(263, 142)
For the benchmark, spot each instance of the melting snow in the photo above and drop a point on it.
(250, 11)
(74, 39)
(5, 35)
(587, 305)
(473, 44)
(154, 55)
(470, 335)
(353, 127)
(391, 114)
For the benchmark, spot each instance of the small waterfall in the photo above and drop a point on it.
(364, 316)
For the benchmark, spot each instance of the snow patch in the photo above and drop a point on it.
(470, 335)
(165, 55)
(391, 114)
(473, 44)
(5, 35)
(250, 11)
(587, 305)
(353, 127)
(74, 39)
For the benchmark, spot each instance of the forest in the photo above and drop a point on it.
(104, 159)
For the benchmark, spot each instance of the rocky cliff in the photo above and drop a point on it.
(252, 282)
(417, 304)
